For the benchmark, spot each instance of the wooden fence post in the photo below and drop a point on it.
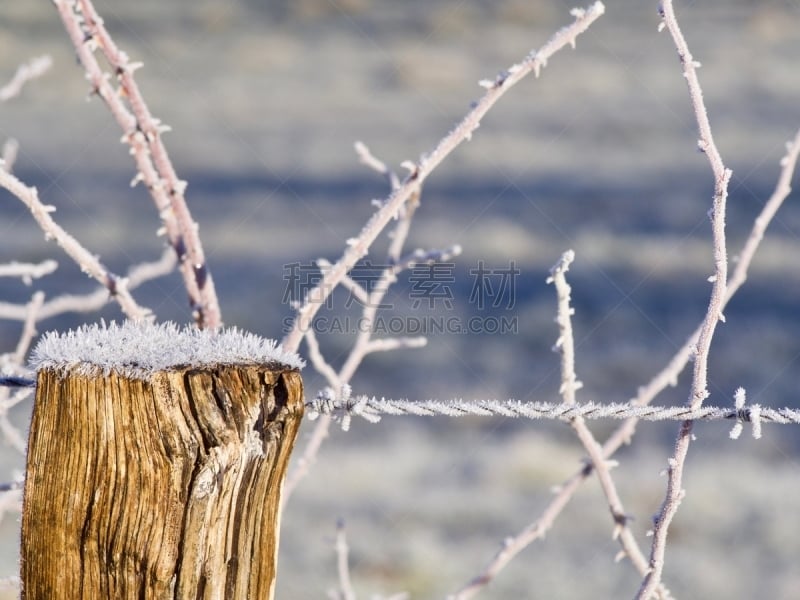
(155, 464)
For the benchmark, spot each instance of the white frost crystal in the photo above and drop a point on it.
(139, 349)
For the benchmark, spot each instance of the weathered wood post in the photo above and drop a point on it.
(155, 463)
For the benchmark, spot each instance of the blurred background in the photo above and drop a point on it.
(265, 101)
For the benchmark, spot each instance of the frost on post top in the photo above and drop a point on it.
(139, 349)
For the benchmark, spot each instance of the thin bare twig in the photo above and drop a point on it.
(361, 347)
(115, 285)
(358, 247)
(346, 591)
(407, 192)
(569, 386)
(143, 133)
(28, 271)
(667, 377)
(699, 391)
(34, 68)
(318, 361)
(15, 361)
(367, 158)
(137, 275)
(9, 154)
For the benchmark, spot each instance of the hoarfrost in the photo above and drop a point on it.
(139, 349)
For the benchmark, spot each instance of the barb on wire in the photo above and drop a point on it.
(343, 406)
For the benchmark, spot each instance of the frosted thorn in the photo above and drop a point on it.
(712, 278)
(486, 83)
(409, 165)
(161, 231)
(180, 187)
(620, 556)
(537, 69)
(696, 64)
(132, 67)
(649, 533)
(136, 179)
(721, 318)
(352, 242)
(578, 13)
(661, 26)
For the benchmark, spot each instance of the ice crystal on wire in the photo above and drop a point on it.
(139, 349)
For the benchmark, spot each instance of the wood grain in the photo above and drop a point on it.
(167, 487)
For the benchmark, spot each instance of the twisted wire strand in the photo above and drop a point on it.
(344, 408)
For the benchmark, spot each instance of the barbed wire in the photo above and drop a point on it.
(343, 407)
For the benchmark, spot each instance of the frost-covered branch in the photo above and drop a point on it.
(34, 68)
(28, 271)
(358, 247)
(143, 133)
(699, 391)
(668, 376)
(14, 364)
(367, 158)
(364, 344)
(569, 386)
(401, 203)
(9, 154)
(137, 275)
(89, 264)
(345, 591)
